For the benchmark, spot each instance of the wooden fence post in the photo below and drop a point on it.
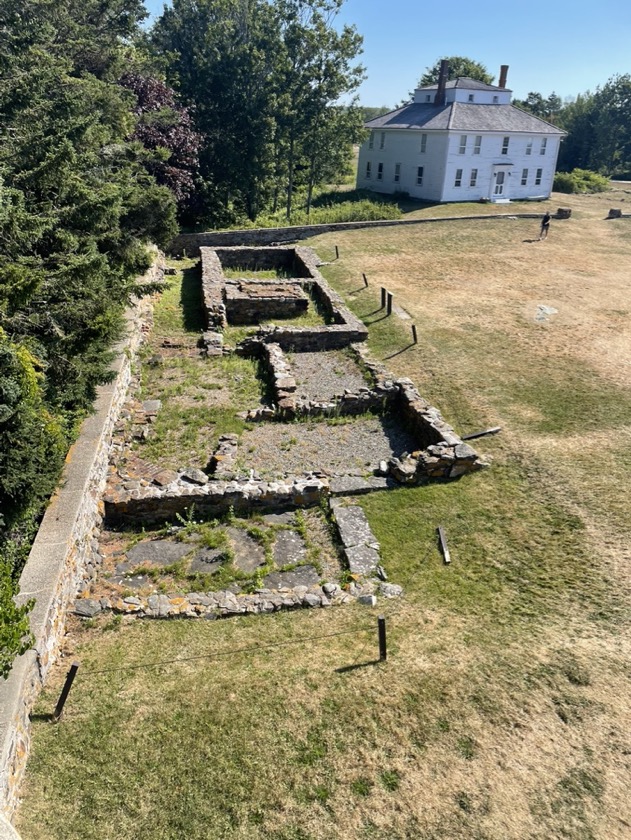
(383, 646)
(65, 691)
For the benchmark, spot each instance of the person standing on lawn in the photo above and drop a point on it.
(545, 226)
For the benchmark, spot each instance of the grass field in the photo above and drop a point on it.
(504, 709)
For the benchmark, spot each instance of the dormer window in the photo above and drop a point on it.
(470, 97)
(428, 97)
(496, 99)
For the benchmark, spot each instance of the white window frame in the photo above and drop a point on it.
(544, 143)
(462, 149)
(419, 175)
(529, 146)
(380, 171)
(477, 145)
(470, 97)
(538, 177)
(496, 99)
(368, 170)
(371, 140)
(473, 180)
(423, 143)
(524, 177)
(382, 140)
(428, 97)
(397, 173)
(505, 144)
(458, 178)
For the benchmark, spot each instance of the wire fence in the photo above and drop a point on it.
(381, 638)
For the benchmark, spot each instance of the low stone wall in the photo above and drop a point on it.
(61, 557)
(190, 243)
(249, 302)
(344, 329)
(213, 282)
(154, 504)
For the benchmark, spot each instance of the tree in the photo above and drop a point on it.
(77, 208)
(262, 76)
(165, 129)
(315, 71)
(611, 150)
(459, 66)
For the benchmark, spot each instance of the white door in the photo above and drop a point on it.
(498, 186)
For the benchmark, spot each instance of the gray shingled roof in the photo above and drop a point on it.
(463, 82)
(463, 116)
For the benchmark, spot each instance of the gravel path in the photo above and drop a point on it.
(352, 448)
(320, 376)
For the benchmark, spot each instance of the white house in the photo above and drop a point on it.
(460, 140)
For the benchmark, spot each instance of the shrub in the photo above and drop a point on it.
(580, 181)
(364, 210)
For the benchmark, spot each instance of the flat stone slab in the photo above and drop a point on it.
(362, 560)
(353, 485)
(302, 576)
(249, 554)
(286, 518)
(354, 528)
(289, 548)
(208, 561)
(158, 553)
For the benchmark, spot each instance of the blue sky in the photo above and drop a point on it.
(566, 46)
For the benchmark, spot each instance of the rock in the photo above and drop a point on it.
(87, 607)
(194, 476)
(154, 553)
(353, 527)
(367, 600)
(331, 589)
(362, 560)
(301, 577)
(152, 406)
(164, 477)
(390, 590)
(311, 600)
(289, 548)
(207, 561)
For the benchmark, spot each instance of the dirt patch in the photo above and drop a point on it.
(348, 448)
(322, 376)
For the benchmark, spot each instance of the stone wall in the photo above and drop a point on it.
(343, 330)
(190, 243)
(62, 555)
(154, 504)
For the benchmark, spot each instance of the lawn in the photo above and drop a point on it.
(503, 711)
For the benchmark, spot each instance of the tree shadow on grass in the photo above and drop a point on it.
(190, 300)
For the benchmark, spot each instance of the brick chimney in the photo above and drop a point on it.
(503, 75)
(443, 75)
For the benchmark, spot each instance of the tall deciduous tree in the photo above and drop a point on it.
(262, 76)
(459, 66)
